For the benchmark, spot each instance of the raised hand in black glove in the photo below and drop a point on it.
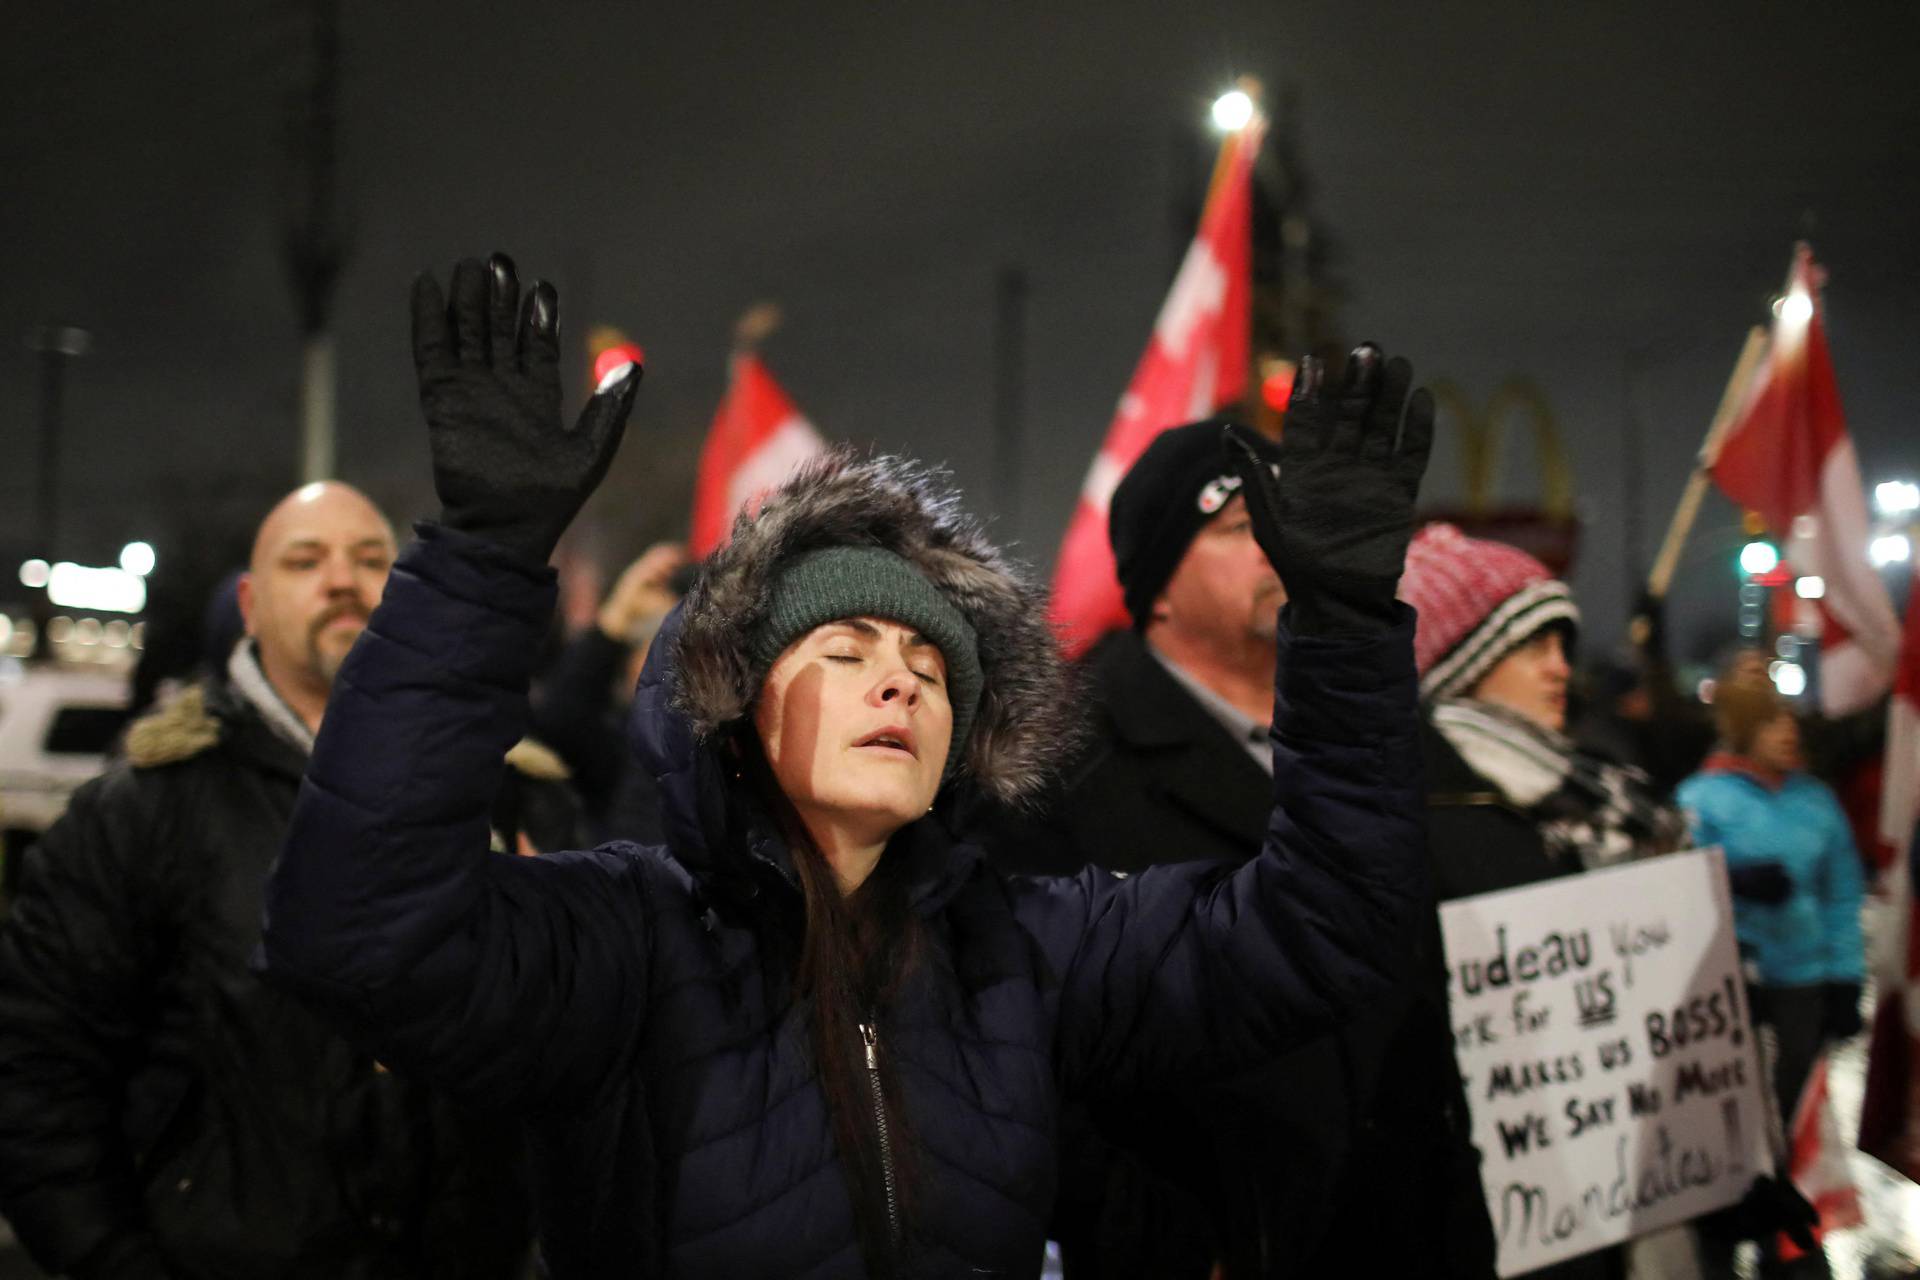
(1332, 505)
(1764, 882)
(1840, 1011)
(505, 467)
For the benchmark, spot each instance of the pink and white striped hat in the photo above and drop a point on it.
(1478, 601)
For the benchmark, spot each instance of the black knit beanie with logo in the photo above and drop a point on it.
(1165, 499)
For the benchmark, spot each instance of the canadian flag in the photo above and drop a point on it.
(1195, 363)
(1817, 1162)
(1787, 456)
(1890, 1114)
(757, 439)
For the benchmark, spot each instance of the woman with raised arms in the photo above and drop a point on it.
(813, 1034)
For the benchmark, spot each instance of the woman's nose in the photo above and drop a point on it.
(900, 687)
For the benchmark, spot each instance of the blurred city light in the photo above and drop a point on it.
(34, 574)
(1795, 308)
(137, 558)
(1889, 548)
(1790, 678)
(1896, 497)
(1232, 111)
(1759, 557)
(1810, 587)
(77, 586)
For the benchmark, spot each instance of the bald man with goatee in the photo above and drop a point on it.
(162, 1112)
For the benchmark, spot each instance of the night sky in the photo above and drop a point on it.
(1601, 197)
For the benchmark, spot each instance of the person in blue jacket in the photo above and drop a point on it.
(1794, 872)
(813, 1034)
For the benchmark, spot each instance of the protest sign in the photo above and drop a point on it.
(1610, 1064)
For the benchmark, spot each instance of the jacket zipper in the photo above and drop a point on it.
(870, 1037)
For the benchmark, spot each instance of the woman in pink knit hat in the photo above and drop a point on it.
(1512, 799)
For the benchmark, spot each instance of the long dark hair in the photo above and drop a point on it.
(854, 953)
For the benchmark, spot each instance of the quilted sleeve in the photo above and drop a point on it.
(508, 980)
(1196, 970)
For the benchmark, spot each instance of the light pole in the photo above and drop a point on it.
(55, 344)
(314, 246)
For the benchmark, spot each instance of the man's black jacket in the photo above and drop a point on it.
(1360, 1136)
(162, 1111)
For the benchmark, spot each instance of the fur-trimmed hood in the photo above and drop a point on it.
(179, 729)
(1026, 716)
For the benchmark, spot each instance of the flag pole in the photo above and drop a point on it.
(755, 325)
(1684, 515)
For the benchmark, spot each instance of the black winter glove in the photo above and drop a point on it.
(1332, 505)
(1840, 1013)
(1764, 882)
(489, 365)
(1771, 1205)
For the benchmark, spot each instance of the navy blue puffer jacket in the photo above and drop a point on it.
(620, 997)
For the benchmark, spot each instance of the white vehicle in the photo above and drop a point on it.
(56, 727)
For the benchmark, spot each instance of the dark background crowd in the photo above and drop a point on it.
(970, 220)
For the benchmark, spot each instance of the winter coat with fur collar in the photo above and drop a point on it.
(625, 999)
(162, 1112)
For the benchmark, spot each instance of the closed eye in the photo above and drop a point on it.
(929, 678)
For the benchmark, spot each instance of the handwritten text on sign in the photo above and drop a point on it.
(1603, 1035)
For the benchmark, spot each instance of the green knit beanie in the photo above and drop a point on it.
(869, 582)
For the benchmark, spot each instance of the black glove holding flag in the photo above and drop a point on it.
(1332, 505)
(1840, 1011)
(1771, 1205)
(489, 365)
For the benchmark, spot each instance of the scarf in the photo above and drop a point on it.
(1604, 813)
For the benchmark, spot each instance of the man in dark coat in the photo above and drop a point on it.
(162, 1112)
(1360, 1132)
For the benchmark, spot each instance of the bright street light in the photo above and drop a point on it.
(77, 586)
(1896, 497)
(1232, 111)
(1758, 558)
(1810, 587)
(1790, 678)
(34, 574)
(137, 558)
(1795, 308)
(1889, 548)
